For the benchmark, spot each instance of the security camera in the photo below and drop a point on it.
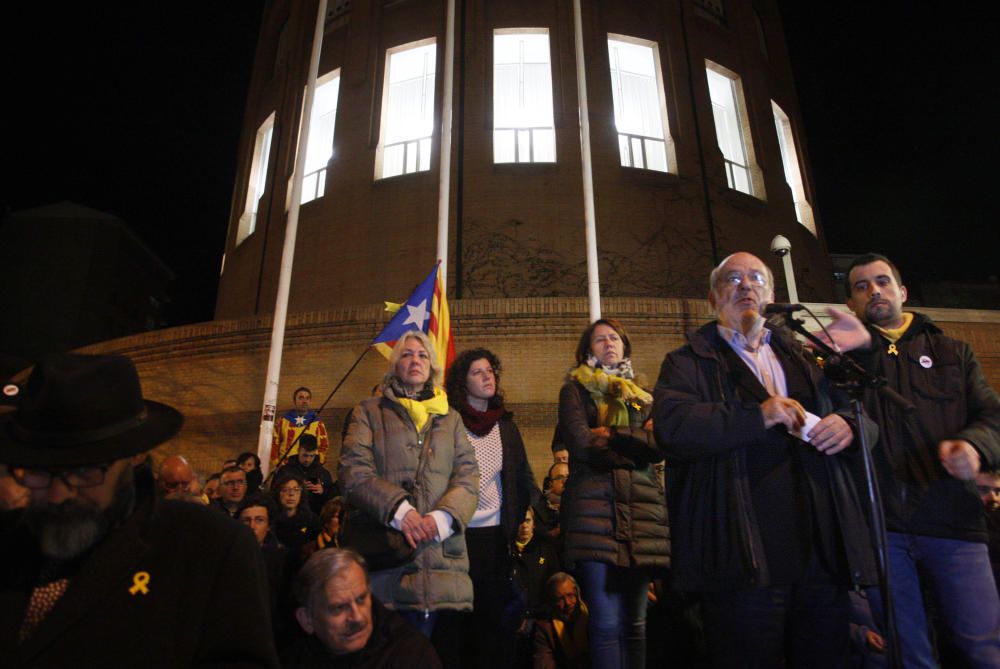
(780, 246)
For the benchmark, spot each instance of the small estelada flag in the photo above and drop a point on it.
(426, 310)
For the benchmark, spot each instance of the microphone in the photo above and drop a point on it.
(776, 308)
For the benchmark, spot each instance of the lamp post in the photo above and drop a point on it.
(781, 247)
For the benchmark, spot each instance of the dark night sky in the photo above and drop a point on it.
(135, 109)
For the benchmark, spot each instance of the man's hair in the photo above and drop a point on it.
(555, 581)
(231, 469)
(867, 259)
(455, 382)
(247, 455)
(308, 442)
(397, 353)
(299, 390)
(259, 499)
(583, 346)
(553, 466)
(713, 277)
(212, 477)
(320, 568)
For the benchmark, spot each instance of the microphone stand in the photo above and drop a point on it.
(849, 375)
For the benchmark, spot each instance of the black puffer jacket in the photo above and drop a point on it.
(614, 508)
(942, 378)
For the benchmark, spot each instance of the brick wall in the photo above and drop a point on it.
(214, 372)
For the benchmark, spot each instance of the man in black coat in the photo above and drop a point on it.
(97, 571)
(319, 484)
(346, 626)
(765, 516)
(927, 461)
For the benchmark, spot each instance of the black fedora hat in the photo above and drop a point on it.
(83, 410)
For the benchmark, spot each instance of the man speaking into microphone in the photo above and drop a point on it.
(766, 520)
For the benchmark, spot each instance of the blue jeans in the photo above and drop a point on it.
(959, 575)
(616, 598)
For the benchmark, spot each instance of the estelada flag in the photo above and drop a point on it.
(426, 309)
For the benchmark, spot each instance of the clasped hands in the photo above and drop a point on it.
(830, 435)
(418, 529)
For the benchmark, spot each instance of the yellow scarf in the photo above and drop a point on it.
(894, 334)
(611, 394)
(420, 410)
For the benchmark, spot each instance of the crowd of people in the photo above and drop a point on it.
(714, 519)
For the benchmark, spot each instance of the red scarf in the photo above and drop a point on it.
(478, 422)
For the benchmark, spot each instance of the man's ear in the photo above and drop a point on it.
(903, 293)
(711, 298)
(305, 620)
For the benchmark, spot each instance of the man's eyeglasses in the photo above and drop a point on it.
(74, 477)
(176, 485)
(756, 278)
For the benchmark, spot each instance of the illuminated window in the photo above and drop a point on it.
(258, 178)
(407, 110)
(319, 146)
(793, 170)
(731, 128)
(523, 127)
(640, 113)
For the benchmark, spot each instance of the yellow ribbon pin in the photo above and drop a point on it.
(140, 583)
(892, 350)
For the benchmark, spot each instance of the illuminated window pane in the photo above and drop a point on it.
(258, 179)
(319, 145)
(729, 129)
(639, 111)
(523, 126)
(408, 110)
(792, 167)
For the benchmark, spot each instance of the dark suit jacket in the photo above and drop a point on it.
(205, 604)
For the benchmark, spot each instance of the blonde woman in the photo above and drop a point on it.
(407, 462)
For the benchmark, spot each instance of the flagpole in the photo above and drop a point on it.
(444, 173)
(590, 225)
(288, 256)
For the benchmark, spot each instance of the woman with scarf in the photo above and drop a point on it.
(407, 463)
(614, 508)
(505, 489)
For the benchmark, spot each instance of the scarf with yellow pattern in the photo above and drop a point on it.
(612, 394)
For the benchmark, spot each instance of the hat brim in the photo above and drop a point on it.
(162, 423)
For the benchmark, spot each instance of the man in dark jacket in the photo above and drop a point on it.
(98, 571)
(765, 518)
(346, 626)
(927, 461)
(319, 484)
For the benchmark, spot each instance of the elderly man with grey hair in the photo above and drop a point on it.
(345, 624)
(765, 516)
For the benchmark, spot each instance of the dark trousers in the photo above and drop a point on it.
(489, 638)
(778, 626)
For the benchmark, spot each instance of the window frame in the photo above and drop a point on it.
(754, 175)
(257, 178)
(432, 99)
(518, 132)
(670, 154)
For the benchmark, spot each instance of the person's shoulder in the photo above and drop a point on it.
(189, 519)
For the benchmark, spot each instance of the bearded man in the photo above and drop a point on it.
(97, 569)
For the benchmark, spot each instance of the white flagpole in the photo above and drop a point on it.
(288, 256)
(444, 177)
(590, 225)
